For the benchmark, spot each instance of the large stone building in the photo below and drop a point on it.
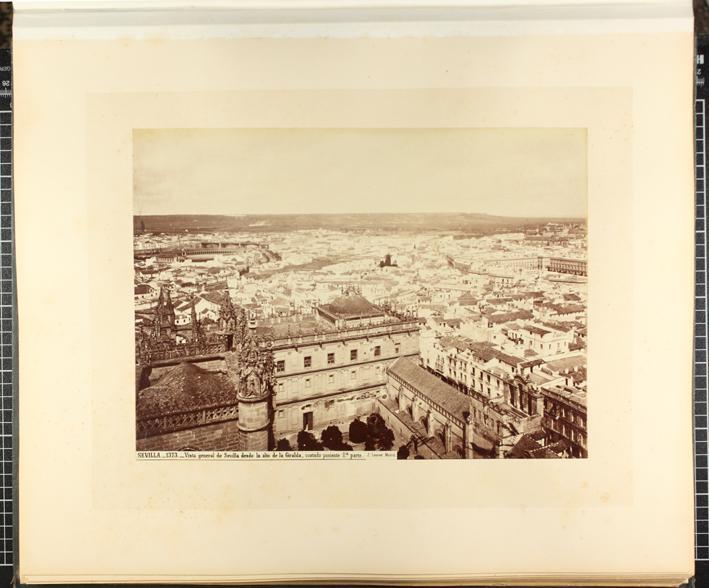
(523, 404)
(328, 368)
(331, 368)
(422, 406)
(565, 418)
(249, 383)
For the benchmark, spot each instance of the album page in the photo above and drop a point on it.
(261, 265)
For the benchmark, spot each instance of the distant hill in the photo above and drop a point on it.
(379, 222)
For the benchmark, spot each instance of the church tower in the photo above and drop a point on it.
(168, 325)
(251, 366)
(164, 328)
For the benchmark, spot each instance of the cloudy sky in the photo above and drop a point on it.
(511, 172)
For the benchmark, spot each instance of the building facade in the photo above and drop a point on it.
(326, 370)
(510, 397)
(332, 376)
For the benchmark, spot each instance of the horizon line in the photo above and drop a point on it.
(357, 213)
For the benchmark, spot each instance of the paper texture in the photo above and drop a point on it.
(625, 511)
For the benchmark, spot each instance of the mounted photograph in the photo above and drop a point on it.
(398, 293)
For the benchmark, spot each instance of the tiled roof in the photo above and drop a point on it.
(186, 387)
(509, 316)
(352, 306)
(567, 308)
(528, 447)
(433, 388)
(467, 299)
(215, 297)
(501, 300)
(482, 350)
(567, 363)
(535, 330)
(526, 295)
(220, 285)
(524, 448)
(564, 327)
(184, 306)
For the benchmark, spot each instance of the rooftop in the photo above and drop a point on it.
(185, 387)
(567, 363)
(350, 307)
(528, 446)
(214, 296)
(566, 393)
(467, 299)
(509, 316)
(294, 326)
(535, 330)
(482, 350)
(440, 393)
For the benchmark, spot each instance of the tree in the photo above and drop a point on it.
(386, 439)
(358, 431)
(283, 445)
(307, 442)
(375, 425)
(370, 444)
(332, 438)
(403, 452)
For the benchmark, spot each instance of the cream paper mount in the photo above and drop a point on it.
(624, 511)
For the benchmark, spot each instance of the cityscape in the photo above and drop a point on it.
(444, 343)
(361, 293)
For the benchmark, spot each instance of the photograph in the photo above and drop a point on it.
(400, 293)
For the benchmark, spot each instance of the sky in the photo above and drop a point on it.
(507, 172)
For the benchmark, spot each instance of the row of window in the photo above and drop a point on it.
(565, 413)
(307, 382)
(570, 433)
(308, 359)
(488, 421)
(462, 365)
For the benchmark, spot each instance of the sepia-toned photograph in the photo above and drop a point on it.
(396, 293)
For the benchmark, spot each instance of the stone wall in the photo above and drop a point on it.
(223, 436)
(339, 409)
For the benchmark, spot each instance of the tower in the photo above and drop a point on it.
(251, 366)
(227, 313)
(197, 330)
(164, 329)
(168, 324)
(232, 322)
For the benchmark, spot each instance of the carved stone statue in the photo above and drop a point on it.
(255, 368)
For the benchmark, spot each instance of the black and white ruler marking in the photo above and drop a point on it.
(701, 414)
(7, 315)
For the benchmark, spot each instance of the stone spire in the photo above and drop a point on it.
(164, 329)
(227, 314)
(193, 316)
(168, 304)
(251, 369)
(197, 331)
